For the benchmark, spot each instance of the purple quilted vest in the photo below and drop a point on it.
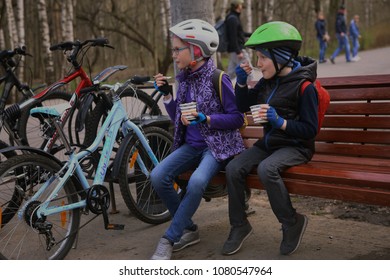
(223, 144)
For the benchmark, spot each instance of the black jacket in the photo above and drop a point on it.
(283, 93)
(341, 25)
(235, 33)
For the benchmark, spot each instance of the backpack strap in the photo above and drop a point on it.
(217, 82)
(304, 86)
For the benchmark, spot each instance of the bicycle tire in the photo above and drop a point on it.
(10, 199)
(135, 187)
(133, 101)
(20, 237)
(30, 127)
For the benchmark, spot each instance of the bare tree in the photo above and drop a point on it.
(248, 15)
(2, 39)
(12, 31)
(182, 10)
(45, 38)
(67, 20)
(20, 32)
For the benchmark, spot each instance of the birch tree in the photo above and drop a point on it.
(45, 38)
(200, 9)
(67, 20)
(12, 31)
(21, 33)
(2, 39)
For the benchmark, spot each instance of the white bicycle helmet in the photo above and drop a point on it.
(199, 33)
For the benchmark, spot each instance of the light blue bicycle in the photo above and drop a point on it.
(55, 195)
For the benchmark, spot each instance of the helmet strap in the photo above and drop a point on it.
(193, 60)
(278, 70)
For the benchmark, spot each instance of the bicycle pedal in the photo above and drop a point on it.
(115, 226)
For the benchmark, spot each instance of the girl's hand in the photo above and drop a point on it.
(161, 84)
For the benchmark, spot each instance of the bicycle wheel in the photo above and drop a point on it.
(137, 104)
(27, 235)
(10, 199)
(37, 131)
(136, 188)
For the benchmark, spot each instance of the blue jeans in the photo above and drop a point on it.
(355, 45)
(323, 46)
(269, 167)
(343, 43)
(163, 175)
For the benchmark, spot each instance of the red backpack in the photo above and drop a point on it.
(323, 100)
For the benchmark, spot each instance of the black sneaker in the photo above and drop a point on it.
(236, 237)
(292, 235)
(332, 60)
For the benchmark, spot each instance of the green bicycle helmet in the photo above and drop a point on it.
(275, 34)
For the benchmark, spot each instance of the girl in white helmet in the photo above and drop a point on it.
(204, 141)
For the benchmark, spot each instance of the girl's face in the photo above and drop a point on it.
(265, 65)
(180, 53)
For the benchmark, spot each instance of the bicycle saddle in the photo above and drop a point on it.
(50, 111)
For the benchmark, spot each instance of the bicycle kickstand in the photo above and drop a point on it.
(107, 224)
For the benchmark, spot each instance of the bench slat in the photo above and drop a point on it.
(359, 109)
(347, 160)
(356, 122)
(356, 94)
(357, 150)
(356, 81)
(334, 174)
(354, 136)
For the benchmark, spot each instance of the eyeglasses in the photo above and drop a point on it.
(176, 51)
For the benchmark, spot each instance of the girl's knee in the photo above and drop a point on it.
(196, 185)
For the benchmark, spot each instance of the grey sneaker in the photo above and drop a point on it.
(236, 238)
(163, 250)
(189, 238)
(292, 236)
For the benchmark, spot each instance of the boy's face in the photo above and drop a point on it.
(265, 65)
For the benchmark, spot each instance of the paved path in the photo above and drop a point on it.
(372, 62)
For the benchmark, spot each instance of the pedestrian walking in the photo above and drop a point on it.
(354, 33)
(341, 35)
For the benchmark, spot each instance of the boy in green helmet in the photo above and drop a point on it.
(289, 132)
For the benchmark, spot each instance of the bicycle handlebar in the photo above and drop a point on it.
(137, 80)
(7, 54)
(69, 45)
(77, 46)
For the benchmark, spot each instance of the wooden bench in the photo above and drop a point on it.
(352, 159)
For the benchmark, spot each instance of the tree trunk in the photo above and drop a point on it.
(200, 9)
(22, 36)
(67, 20)
(12, 31)
(45, 37)
(13, 37)
(2, 39)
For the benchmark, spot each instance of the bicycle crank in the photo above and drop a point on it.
(98, 201)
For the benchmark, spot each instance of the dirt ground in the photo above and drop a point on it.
(335, 231)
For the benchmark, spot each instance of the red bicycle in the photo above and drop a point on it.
(39, 133)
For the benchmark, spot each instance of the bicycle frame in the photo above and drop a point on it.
(82, 88)
(116, 118)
